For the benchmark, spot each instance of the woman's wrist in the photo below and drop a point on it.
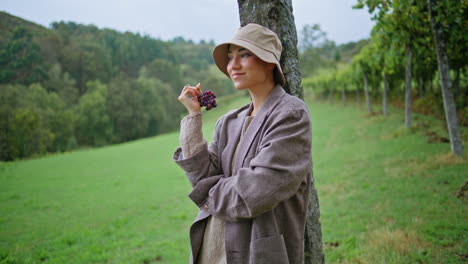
(194, 113)
(191, 135)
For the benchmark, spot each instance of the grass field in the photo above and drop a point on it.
(386, 196)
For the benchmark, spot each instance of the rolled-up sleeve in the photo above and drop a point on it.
(191, 135)
(198, 159)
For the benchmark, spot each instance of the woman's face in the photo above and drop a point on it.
(246, 69)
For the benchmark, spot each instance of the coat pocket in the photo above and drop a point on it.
(268, 250)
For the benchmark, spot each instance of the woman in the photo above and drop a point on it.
(251, 182)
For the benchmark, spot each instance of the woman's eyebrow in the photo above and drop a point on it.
(238, 50)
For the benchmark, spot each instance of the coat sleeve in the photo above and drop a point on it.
(203, 164)
(282, 163)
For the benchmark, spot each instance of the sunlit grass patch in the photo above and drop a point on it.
(448, 159)
(391, 246)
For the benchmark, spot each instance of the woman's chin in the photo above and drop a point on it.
(239, 86)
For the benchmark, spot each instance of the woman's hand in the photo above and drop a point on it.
(188, 97)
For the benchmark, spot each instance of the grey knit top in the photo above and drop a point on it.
(213, 249)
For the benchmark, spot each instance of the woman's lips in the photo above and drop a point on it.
(237, 75)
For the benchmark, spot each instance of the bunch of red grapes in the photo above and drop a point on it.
(207, 99)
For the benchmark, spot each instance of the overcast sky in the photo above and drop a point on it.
(191, 19)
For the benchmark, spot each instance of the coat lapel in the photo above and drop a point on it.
(234, 129)
(254, 127)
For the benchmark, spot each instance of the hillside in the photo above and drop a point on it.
(9, 22)
(386, 196)
(72, 85)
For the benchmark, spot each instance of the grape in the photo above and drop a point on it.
(207, 99)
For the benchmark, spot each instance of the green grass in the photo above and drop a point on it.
(386, 196)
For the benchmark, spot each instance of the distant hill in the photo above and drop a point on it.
(74, 85)
(9, 22)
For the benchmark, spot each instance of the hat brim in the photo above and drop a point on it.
(220, 56)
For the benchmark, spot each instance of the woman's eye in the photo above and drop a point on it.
(245, 55)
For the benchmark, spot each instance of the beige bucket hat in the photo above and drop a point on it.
(260, 40)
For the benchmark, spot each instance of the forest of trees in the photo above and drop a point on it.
(76, 85)
(416, 59)
(73, 85)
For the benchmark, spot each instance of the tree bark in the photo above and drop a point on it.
(445, 82)
(80, 81)
(322, 95)
(343, 96)
(385, 95)
(408, 102)
(278, 16)
(366, 91)
(358, 96)
(421, 86)
(330, 95)
(456, 83)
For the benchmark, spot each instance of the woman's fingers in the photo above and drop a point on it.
(185, 93)
(194, 91)
(188, 97)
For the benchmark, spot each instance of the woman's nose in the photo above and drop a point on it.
(234, 63)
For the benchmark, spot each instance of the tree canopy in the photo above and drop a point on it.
(75, 85)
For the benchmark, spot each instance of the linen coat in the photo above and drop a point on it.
(264, 201)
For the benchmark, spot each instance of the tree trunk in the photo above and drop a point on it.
(366, 91)
(330, 95)
(456, 83)
(358, 97)
(385, 95)
(343, 96)
(409, 54)
(80, 81)
(430, 88)
(445, 83)
(278, 16)
(322, 95)
(421, 87)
